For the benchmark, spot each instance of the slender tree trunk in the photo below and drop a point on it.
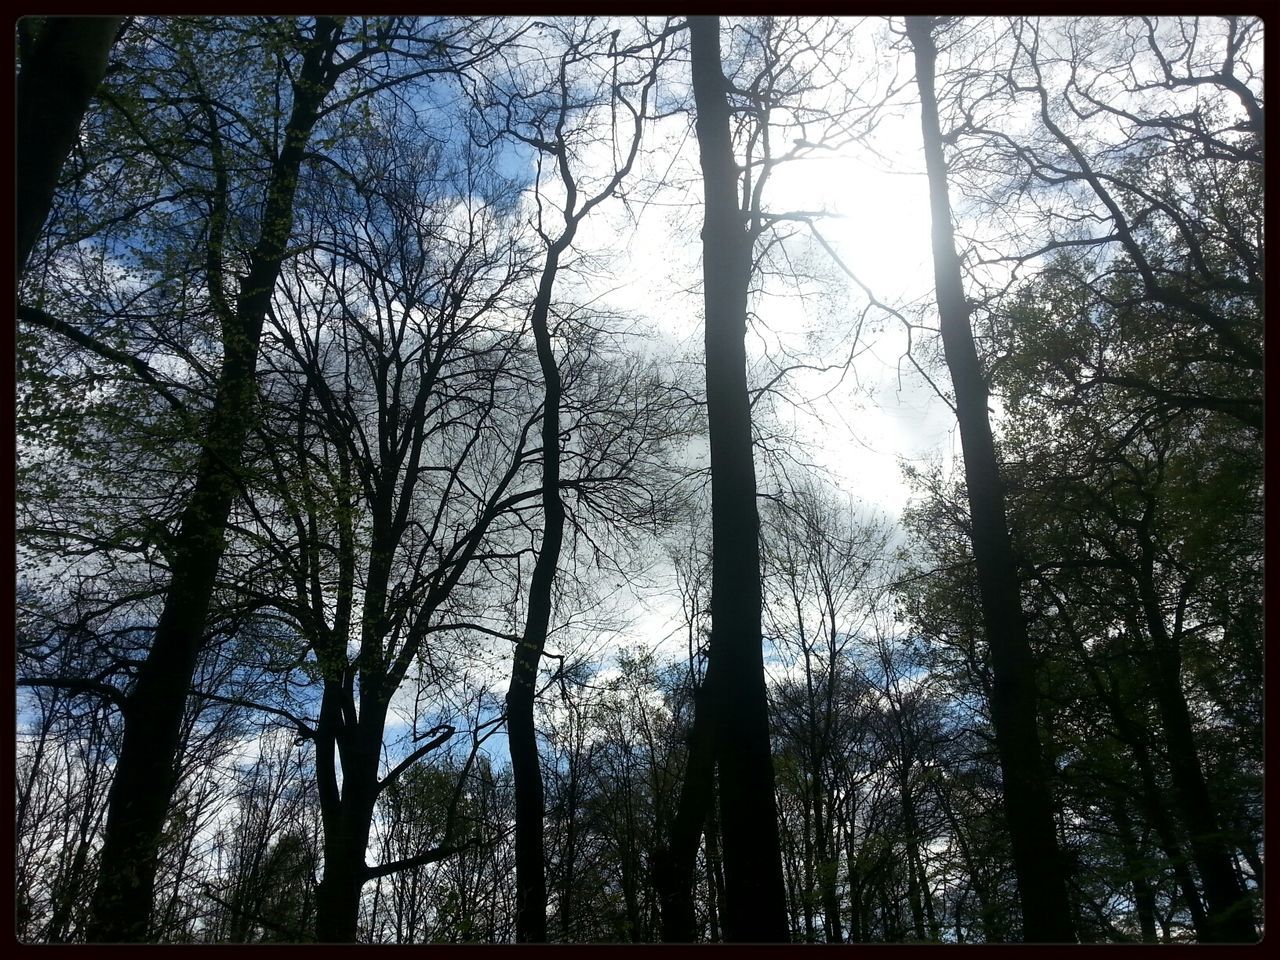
(570, 851)
(922, 912)
(890, 911)
(1150, 797)
(826, 865)
(1249, 850)
(60, 74)
(856, 926)
(1229, 918)
(674, 867)
(145, 775)
(715, 877)
(990, 933)
(526, 771)
(915, 880)
(1144, 897)
(806, 882)
(755, 897)
(1046, 913)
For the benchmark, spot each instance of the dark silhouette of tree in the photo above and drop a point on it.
(821, 589)
(732, 702)
(143, 782)
(63, 60)
(1127, 499)
(399, 449)
(588, 77)
(1027, 796)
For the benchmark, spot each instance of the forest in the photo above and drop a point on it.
(639, 479)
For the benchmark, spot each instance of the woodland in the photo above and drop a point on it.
(441, 515)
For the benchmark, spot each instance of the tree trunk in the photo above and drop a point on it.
(754, 904)
(1144, 897)
(1229, 918)
(145, 770)
(755, 897)
(1152, 799)
(347, 814)
(715, 877)
(827, 865)
(674, 867)
(338, 894)
(1046, 913)
(526, 771)
(60, 74)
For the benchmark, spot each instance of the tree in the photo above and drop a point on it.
(1131, 512)
(734, 689)
(266, 855)
(211, 97)
(399, 457)
(1178, 194)
(582, 66)
(821, 582)
(63, 61)
(1028, 803)
(143, 782)
(61, 798)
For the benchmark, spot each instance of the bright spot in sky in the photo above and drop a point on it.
(875, 218)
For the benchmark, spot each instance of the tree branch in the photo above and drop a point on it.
(422, 751)
(422, 859)
(78, 685)
(140, 367)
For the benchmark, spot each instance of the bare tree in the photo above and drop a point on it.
(590, 77)
(1027, 797)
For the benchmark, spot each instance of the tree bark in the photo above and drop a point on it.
(755, 898)
(1229, 917)
(526, 771)
(674, 866)
(145, 769)
(346, 826)
(59, 76)
(1046, 913)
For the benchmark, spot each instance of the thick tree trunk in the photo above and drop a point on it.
(60, 74)
(345, 871)
(347, 812)
(755, 897)
(526, 771)
(145, 769)
(1046, 913)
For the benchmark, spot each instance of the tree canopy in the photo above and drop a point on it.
(635, 479)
